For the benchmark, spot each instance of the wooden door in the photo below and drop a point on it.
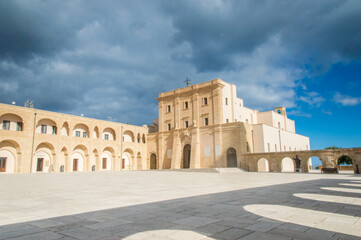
(75, 165)
(104, 163)
(39, 166)
(3, 164)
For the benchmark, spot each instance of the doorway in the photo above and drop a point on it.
(153, 161)
(186, 156)
(39, 166)
(3, 164)
(231, 157)
(105, 163)
(75, 164)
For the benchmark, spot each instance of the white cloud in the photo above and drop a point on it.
(313, 99)
(345, 100)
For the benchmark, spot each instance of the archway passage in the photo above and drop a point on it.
(231, 157)
(345, 163)
(262, 165)
(186, 156)
(153, 161)
(287, 165)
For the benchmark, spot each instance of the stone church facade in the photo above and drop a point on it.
(200, 126)
(207, 126)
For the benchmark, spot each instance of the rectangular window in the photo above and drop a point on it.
(6, 125)
(247, 146)
(84, 134)
(43, 128)
(206, 122)
(169, 126)
(77, 133)
(54, 130)
(186, 124)
(226, 101)
(185, 105)
(106, 136)
(168, 108)
(227, 121)
(205, 101)
(19, 126)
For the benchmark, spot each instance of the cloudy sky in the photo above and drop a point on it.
(113, 58)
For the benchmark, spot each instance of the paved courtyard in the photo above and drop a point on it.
(180, 205)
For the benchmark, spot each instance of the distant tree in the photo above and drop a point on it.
(344, 159)
(333, 147)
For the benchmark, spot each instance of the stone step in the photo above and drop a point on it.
(230, 170)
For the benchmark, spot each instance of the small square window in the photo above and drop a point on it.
(206, 122)
(186, 124)
(84, 134)
(43, 128)
(19, 126)
(6, 125)
(185, 105)
(77, 133)
(106, 136)
(169, 127)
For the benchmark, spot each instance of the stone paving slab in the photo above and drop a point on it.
(179, 205)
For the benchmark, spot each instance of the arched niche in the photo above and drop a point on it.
(46, 126)
(64, 131)
(12, 122)
(128, 159)
(81, 130)
(128, 136)
(109, 134)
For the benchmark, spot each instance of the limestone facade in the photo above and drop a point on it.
(206, 125)
(33, 140)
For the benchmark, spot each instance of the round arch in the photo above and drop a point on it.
(79, 158)
(13, 121)
(128, 159)
(287, 165)
(128, 136)
(95, 133)
(138, 138)
(143, 138)
(47, 126)
(108, 158)
(44, 158)
(231, 157)
(263, 165)
(109, 134)
(64, 131)
(81, 130)
(10, 154)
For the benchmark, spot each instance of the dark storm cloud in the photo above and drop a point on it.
(217, 32)
(113, 58)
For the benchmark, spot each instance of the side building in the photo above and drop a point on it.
(33, 140)
(206, 125)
